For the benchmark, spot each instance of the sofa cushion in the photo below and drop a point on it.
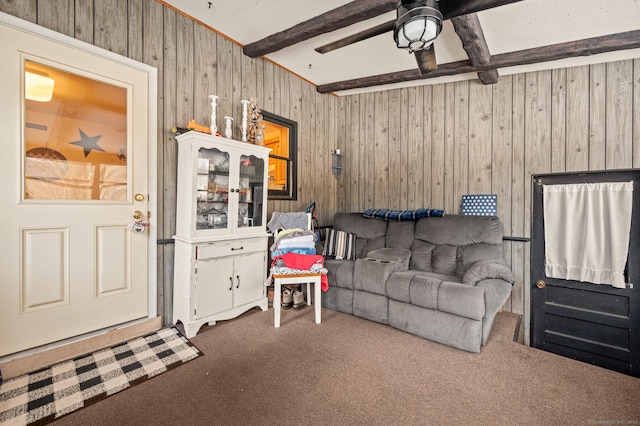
(400, 234)
(371, 274)
(445, 259)
(421, 255)
(474, 238)
(424, 291)
(471, 254)
(398, 286)
(340, 244)
(459, 230)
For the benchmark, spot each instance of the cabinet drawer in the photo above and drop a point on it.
(230, 248)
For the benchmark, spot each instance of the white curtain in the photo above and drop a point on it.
(586, 230)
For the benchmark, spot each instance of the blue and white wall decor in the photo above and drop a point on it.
(480, 205)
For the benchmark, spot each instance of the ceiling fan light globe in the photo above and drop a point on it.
(416, 29)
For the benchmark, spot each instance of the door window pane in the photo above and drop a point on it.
(75, 135)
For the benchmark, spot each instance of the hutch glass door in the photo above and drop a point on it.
(212, 187)
(250, 191)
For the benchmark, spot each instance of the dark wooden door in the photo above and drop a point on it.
(593, 323)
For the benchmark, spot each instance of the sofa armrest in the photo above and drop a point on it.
(486, 270)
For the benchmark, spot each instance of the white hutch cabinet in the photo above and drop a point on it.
(221, 239)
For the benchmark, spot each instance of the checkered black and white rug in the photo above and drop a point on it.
(47, 394)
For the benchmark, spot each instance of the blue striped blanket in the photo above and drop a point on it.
(401, 215)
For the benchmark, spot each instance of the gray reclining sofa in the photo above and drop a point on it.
(441, 278)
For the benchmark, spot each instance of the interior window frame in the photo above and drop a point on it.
(290, 192)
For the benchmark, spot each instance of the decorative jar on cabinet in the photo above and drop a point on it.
(221, 240)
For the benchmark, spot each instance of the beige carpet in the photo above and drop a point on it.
(350, 371)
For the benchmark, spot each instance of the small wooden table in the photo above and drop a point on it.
(279, 280)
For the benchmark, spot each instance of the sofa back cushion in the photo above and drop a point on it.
(370, 233)
(454, 242)
(400, 234)
(421, 255)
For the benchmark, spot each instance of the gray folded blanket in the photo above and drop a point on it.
(280, 220)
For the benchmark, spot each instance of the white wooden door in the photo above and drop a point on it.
(73, 169)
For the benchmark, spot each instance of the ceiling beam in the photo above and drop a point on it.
(592, 46)
(470, 32)
(349, 14)
(343, 16)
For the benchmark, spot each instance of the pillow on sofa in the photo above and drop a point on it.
(340, 244)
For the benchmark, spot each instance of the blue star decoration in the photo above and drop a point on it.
(88, 143)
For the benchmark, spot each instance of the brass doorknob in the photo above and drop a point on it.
(541, 284)
(137, 215)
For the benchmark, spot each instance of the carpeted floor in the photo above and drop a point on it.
(350, 371)
(52, 392)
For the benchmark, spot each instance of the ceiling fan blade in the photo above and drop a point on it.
(426, 59)
(340, 17)
(452, 8)
(359, 36)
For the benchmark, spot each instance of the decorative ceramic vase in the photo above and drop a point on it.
(228, 131)
(255, 118)
(214, 106)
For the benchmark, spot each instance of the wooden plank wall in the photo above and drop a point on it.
(427, 146)
(194, 62)
(404, 148)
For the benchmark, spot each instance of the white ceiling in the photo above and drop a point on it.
(517, 26)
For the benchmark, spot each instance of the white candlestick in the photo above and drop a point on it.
(245, 107)
(214, 107)
(228, 131)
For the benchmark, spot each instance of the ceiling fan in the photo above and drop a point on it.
(417, 25)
